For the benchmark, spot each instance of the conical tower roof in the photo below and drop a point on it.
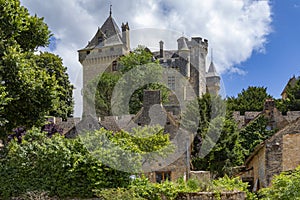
(110, 27)
(109, 30)
(212, 70)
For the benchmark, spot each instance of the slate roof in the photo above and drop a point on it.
(109, 31)
(212, 70)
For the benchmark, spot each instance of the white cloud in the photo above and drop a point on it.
(234, 28)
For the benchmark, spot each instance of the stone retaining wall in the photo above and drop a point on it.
(212, 196)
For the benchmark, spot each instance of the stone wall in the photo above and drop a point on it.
(257, 163)
(290, 153)
(212, 196)
(203, 176)
(273, 157)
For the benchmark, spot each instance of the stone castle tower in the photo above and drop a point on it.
(102, 53)
(109, 44)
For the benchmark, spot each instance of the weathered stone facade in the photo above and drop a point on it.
(276, 154)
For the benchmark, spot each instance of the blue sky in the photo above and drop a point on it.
(281, 59)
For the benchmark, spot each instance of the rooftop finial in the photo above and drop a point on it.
(212, 55)
(110, 10)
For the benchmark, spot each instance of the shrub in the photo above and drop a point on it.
(61, 166)
(284, 186)
(232, 184)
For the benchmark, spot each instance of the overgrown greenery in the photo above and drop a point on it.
(74, 167)
(251, 99)
(292, 101)
(255, 133)
(141, 189)
(134, 68)
(217, 145)
(63, 167)
(32, 85)
(285, 186)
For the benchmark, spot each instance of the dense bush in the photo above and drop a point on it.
(232, 184)
(285, 186)
(61, 166)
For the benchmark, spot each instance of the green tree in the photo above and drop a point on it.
(254, 133)
(103, 93)
(251, 99)
(139, 56)
(53, 64)
(216, 146)
(31, 89)
(36, 85)
(226, 153)
(134, 68)
(292, 101)
(63, 167)
(18, 27)
(128, 151)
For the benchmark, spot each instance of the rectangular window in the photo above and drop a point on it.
(171, 82)
(112, 49)
(114, 66)
(162, 176)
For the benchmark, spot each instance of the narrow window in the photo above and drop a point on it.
(171, 82)
(114, 66)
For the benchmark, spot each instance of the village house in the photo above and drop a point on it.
(275, 155)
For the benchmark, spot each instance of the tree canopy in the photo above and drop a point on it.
(292, 100)
(32, 85)
(251, 99)
(138, 71)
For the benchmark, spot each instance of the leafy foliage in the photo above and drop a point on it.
(226, 153)
(284, 186)
(124, 150)
(62, 105)
(217, 144)
(103, 93)
(32, 86)
(135, 67)
(140, 56)
(254, 133)
(292, 101)
(61, 166)
(232, 184)
(17, 26)
(251, 99)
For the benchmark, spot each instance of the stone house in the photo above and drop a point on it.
(275, 155)
(276, 120)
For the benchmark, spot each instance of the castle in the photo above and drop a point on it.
(109, 43)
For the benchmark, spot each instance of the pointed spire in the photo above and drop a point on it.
(110, 12)
(212, 69)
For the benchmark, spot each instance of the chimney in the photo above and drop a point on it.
(161, 49)
(151, 97)
(269, 105)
